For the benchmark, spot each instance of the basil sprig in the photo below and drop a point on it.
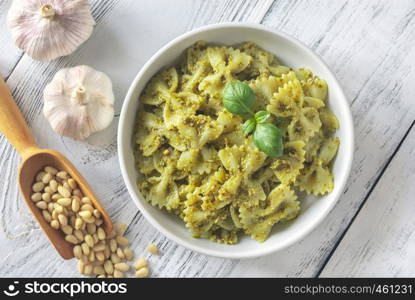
(238, 98)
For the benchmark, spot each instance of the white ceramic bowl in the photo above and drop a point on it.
(291, 53)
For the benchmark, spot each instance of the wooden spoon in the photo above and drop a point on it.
(34, 159)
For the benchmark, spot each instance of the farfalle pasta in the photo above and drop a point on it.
(196, 163)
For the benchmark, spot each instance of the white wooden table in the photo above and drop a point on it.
(370, 47)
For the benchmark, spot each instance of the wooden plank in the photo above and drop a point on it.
(368, 46)
(10, 54)
(126, 35)
(381, 240)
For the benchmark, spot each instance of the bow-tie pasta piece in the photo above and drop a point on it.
(316, 177)
(263, 62)
(288, 166)
(313, 86)
(305, 125)
(149, 137)
(280, 205)
(160, 87)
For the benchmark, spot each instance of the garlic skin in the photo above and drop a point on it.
(78, 102)
(47, 29)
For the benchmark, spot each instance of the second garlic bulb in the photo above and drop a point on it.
(79, 101)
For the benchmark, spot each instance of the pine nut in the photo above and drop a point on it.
(101, 276)
(97, 213)
(122, 241)
(67, 186)
(115, 259)
(113, 245)
(101, 233)
(36, 197)
(99, 247)
(100, 256)
(63, 191)
(152, 249)
(56, 196)
(65, 201)
(55, 215)
(62, 175)
(38, 187)
(87, 207)
(79, 235)
(90, 220)
(77, 251)
(128, 253)
(78, 223)
(46, 197)
(107, 252)
(72, 183)
(66, 228)
(123, 267)
(120, 253)
(109, 267)
(84, 259)
(58, 207)
(53, 184)
(54, 224)
(47, 189)
(89, 240)
(50, 207)
(99, 222)
(91, 256)
(142, 273)
(75, 205)
(46, 178)
(118, 274)
(96, 239)
(86, 200)
(42, 205)
(88, 269)
(122, 228)
(40, 175)
(71, 239)
(140, 263)
(91, 228)
(81, 267)
(51, 170)
(85, 248)
(85, 214)
(63, 219)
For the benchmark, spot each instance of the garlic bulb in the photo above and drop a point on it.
(78, 102)
(47, 29)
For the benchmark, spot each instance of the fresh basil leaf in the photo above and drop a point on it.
(268, 139)
(238, 98)
(261, 116)
(248, 126)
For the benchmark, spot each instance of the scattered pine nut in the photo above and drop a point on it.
(140, 263)
(152, 249)
(142, 273)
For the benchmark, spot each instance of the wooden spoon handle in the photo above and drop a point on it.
(12, 123)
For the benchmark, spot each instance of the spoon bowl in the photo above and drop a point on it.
(34, 159)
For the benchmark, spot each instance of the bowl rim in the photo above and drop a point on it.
(257, 252)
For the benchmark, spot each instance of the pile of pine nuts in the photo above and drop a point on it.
(66, 209)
